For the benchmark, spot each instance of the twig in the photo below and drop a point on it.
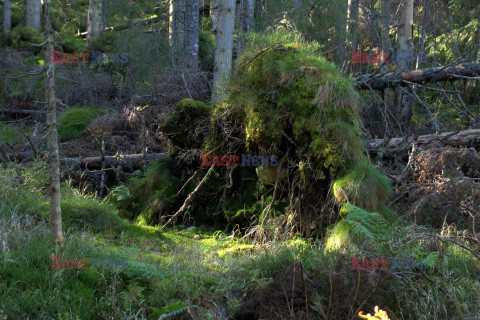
(189, 179)
(188, 200)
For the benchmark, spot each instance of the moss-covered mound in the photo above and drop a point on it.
(73, 121)
(287, 100)
(286, 104)
(184, 127)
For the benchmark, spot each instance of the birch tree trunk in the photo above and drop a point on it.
(7, 18)
(177, 28)
(223, 48)
(33, 11)
(192, 16)
(52, 141)
(96, 19)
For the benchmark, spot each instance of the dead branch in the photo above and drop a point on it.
(392, 79)
(188, 200)
(470, 138)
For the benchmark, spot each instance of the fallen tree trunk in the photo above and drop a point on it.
(90, 163)
(26, 112)
(467, 138)
(125, 26)
(392, 79)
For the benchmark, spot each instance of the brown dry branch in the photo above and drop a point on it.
(189, 199)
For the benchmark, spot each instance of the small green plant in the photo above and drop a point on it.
(122, 192)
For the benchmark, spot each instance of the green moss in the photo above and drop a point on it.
(179, 126)
(363, 187)
(90, 214)
(73, 121)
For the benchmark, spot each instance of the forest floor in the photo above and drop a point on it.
(193, 273)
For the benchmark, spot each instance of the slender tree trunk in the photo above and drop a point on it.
(52, 142)
(96, 19)
(351, 28)
(249, 10)
(385, 31)
(405, 35)
(7, 18)
(223, 49)
(177, 28)
(192, 16)
(403, 103)
(238, 13)
(33, 13)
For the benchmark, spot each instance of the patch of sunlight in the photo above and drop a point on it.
(236, 250)
(141, 221)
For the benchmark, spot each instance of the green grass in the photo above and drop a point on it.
(171, 269)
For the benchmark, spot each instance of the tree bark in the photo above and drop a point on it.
(7, 18)
(385, 31)
(177, 29)
(467, 138)
(33, 11)
(52, 142)
(223, 49)
(249, 11)
(192, 23)
(401, 107)
(436, 74)
(96, 19)
(352, 25)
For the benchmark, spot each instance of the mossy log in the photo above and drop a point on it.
(392, 79)
(467, 138)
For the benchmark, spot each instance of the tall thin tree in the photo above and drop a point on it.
(223, 48)
(7, 18)
(403, 102)
(33, 13)
(52, 140)
(192, 17)
(177, 29)
(248, 9)
(96, 19)
(351, 27)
